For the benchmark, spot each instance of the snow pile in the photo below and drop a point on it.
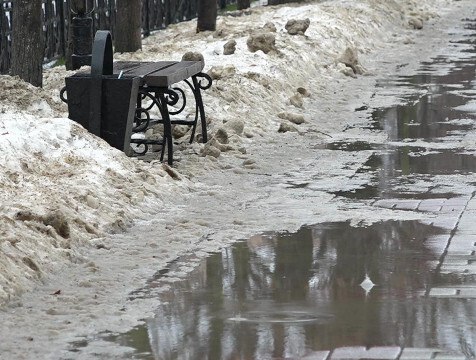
(62, 187)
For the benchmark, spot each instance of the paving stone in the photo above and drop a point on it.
(443, 238)
(470, 214)
(383, 352)
(460, 237)
(449, 268)
(417, 353)
(450, 261)
(429, 208)
(454, 257)
(471, 205)
(467, 292)
(437, 201)
(348, 353)
(446, 222)
(453, 209)
(467, 220)
(407, 204)
(467, 225)
(458, 269)
(446, 356)
(443, 292)
(317, 355)
(467, 252)
(462, 200)
(385, 203)
(426, 221)
(466, 230)
(461, 246)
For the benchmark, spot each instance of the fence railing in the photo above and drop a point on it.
(156, 15)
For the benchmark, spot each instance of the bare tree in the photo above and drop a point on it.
(243, 4)
(128, 37)
(207, 15)
(27, 41)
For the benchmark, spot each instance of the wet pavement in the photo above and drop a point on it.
(390, 290)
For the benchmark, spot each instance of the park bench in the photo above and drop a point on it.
(116, 99)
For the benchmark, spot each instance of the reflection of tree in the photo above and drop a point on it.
(293, 263)
(431, 111)
(214, 302)
(242, 266)
(242, 287)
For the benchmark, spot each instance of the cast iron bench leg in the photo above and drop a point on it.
(197, 92)
(167, 130)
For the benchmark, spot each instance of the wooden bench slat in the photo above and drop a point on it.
(161, 73)
(173, 74)
(141, 69)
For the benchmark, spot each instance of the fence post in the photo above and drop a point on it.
(146, 24)
(82, 35)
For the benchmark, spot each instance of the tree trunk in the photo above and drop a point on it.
(128, 37)
(243, 4)
(27, 41)
(207, 15)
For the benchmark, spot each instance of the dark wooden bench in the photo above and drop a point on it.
(116, 99)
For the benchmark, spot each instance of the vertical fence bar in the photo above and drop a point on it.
(159, 23)
(61, 27)
(166, 12)
(100, 19)
(112, 16)
(48, 30)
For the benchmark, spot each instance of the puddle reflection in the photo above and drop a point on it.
(394, 171)
(286, 295)
(412, 160)
(430, 118)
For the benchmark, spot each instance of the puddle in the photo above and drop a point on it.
(427, 119)
(349, 146)
(414, 160)
(393, 170)
(429, 114)
(287, 295)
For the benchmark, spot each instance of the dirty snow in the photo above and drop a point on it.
(66, 193)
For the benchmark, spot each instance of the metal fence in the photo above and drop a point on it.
(156, 14)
